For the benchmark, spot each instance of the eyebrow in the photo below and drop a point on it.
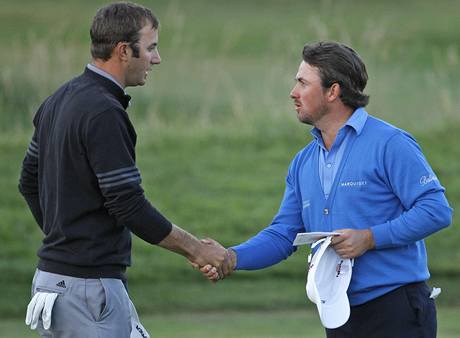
(300, 79)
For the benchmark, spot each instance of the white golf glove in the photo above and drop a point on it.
(41, 303)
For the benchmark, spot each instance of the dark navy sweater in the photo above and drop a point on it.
(80, 180)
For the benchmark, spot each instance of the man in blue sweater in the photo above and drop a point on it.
(368, 181)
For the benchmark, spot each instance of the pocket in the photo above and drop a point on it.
(96, 298)
(39, 288)
(418, 296)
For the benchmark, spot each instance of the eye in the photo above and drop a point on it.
(302, 84)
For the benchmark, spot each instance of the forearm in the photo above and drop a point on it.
(28, 186)
(181, 242)
(424, 207)
(148, 224)
(196, 251)
(417, 223)
(34, 206)
(265, 249)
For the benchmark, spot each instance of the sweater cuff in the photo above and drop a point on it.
(149, 224)
(34, 206)
(382, 235)
(242, 260)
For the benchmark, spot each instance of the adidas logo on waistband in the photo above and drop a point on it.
(61, 284)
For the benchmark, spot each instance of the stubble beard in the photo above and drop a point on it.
(312, 119)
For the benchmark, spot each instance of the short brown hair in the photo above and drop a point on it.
(119, 22)
(338, 63)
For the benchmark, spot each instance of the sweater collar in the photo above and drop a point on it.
(112, 86)
(356, 121)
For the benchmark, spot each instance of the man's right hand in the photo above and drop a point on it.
(214, 275)
(199, 253)
(210, 252)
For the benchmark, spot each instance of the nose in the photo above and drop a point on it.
(293, 94)
(156, 58)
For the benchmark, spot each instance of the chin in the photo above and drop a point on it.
(138, 83)
(304, 120)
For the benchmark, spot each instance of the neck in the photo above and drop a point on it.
(112, 68)
(331, 123)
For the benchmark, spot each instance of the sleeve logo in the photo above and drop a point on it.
(424, 180)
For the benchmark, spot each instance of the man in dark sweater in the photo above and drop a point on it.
(81, 182)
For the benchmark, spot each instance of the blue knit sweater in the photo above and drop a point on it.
(383, 183)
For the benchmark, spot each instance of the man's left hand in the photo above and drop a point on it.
(352, 243)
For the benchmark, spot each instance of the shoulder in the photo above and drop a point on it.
(89, 96)
(388, 142)
(383, 132)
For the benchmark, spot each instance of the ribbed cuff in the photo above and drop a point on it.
(382, 235)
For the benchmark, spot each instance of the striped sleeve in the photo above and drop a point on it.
(118, 177)
(32, 150)
(110, 143)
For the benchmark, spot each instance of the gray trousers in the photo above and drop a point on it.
(87, 308)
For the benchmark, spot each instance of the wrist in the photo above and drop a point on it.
(370, 239)
(232, 256)
(195, 251)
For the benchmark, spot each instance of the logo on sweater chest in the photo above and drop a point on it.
(353, 184)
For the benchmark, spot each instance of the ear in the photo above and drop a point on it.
(333, 92)
(122, 51)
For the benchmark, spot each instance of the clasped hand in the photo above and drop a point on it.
(217, 269)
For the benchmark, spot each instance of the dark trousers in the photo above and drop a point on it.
(407, 312)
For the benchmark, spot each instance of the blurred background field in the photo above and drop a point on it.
(217, 130)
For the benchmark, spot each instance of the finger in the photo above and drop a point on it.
(207, 268)
(37, 310)
(212, 272)
(48, 309)
(214, 278)
(30, 308)
(337, 239)
(226, 270)
(221, 273)
(343, 254)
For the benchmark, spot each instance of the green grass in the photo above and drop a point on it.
(226, 185)
(230, 324)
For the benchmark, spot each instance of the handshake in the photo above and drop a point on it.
(213, 260)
